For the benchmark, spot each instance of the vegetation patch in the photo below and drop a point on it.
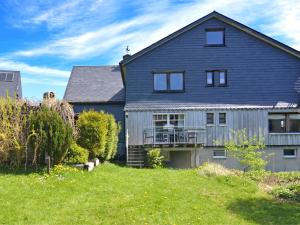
(121, 195)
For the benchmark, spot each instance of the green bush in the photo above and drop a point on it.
(13, 132)
(49, 135)
(154, 158)
(92, 132)
(247, 150)
(76, 154)
(112, 138)
(290, 192)
(98, 133)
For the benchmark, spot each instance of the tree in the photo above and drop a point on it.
(249, 151)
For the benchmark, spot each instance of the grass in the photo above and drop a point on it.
(119, 195)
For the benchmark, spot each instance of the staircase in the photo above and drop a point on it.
(136, 156)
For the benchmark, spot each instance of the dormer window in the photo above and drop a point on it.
(215, 37)
(168, 82)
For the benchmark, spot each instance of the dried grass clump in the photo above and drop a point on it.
(214, 169)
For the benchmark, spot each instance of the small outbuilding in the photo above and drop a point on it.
(99, 88)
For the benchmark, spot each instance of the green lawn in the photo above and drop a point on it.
(119, 195)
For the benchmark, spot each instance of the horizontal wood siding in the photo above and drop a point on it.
(257, 73)
(255, 122)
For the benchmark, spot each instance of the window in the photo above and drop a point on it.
(222, 78)
(219, 154)
(222, 118)
(209, 79)
(168, 120)
(289, 153)
(215, 37)
(284, 123)
(9, 76)
(168, 82)
(160, 82)
(6, 76)
(2, 76)
(209, 118)
(294, 123)
(219, 75)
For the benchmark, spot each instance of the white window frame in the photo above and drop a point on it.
(168, 118)
(222, 124)
(210, 124)
(290, 156)
(220, 157)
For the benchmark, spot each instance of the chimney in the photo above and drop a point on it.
(126, 56)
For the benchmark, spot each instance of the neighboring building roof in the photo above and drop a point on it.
(224, 19)
(95, 84)
(10, 82)
(153, 106)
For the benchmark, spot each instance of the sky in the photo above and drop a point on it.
(43, 39)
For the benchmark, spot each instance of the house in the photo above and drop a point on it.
(99, 88)
(188, 91)
(10, 83)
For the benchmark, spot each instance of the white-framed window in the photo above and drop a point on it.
(210, 120)
(175, 120)
(289, 153)
(219, 154)
(222, 118)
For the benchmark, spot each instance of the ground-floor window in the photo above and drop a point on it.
(219, 154)
(290, 153)
(284, 122)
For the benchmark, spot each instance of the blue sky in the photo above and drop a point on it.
(44, 39)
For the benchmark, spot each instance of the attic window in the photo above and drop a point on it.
(215, 37)
(6, 77)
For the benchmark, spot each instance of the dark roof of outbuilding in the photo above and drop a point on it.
(95, 84)
(12, 87)
(224, 19)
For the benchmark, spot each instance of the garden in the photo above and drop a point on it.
(115, 194)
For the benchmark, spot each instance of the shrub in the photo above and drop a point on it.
(112, 138)
(76, 154)
(290, 192)
(49, 135)
(214, 169)
(12, 132)
(154, 158)
(247, 150)
(92, 132)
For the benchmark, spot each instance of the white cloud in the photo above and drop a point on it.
(26, 80)
(284, 22)
(42, 72)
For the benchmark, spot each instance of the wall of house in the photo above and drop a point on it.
(258, 73)
(198, 156)
(254, 120)
(115, 109)
(276, 161)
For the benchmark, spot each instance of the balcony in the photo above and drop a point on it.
(174, 136)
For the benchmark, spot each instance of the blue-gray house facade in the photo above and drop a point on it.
(186, 93)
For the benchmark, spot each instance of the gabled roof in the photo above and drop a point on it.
(95, 84)
(224, 19)
(11, 85)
